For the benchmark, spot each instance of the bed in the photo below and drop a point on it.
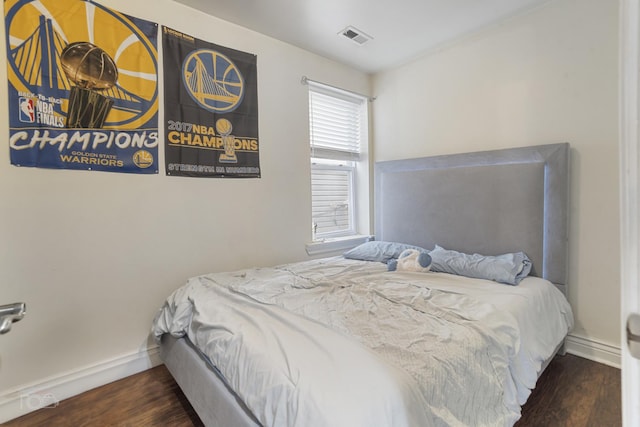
(342, 341)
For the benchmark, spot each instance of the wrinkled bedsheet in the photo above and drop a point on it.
(337, 342)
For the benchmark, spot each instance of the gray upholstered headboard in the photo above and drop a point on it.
(489, 202)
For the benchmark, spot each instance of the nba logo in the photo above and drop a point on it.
(27, 114)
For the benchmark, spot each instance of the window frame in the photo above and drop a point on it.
(342, 152)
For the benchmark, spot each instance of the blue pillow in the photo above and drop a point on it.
(509, 268)
(378, 251)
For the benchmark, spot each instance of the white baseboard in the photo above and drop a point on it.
(594, 350)
(49, 392)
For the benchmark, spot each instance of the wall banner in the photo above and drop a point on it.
(211, 109)
(83, 87)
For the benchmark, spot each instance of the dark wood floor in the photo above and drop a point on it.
(573, 392)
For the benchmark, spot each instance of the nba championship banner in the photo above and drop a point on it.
(211, 109)
(83, 87)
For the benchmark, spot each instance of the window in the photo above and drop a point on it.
(338, 129)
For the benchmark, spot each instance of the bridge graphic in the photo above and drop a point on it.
(213, 81)
(37, 63)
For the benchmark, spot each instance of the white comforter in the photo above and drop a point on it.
(337, 342)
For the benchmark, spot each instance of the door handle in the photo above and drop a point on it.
(633, 334)
(11, 313)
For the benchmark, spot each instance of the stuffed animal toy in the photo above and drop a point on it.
(410, 260)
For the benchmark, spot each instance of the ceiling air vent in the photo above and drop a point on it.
(355, 35)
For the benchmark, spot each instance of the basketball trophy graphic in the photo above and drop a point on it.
(92, 70)
(223, 126)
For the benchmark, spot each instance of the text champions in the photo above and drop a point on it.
(202, 136)
(82, 139)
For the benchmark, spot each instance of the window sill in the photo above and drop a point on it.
(335, 245)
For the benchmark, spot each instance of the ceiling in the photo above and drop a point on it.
(401, 30)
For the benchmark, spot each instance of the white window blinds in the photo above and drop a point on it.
(336, 119)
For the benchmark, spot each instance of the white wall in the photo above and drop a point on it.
(548, 76)
(94, 254)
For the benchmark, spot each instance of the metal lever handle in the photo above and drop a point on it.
(633, 334)
(11, 313)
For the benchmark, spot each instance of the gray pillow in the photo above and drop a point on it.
(378, 251)
(509, 268)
